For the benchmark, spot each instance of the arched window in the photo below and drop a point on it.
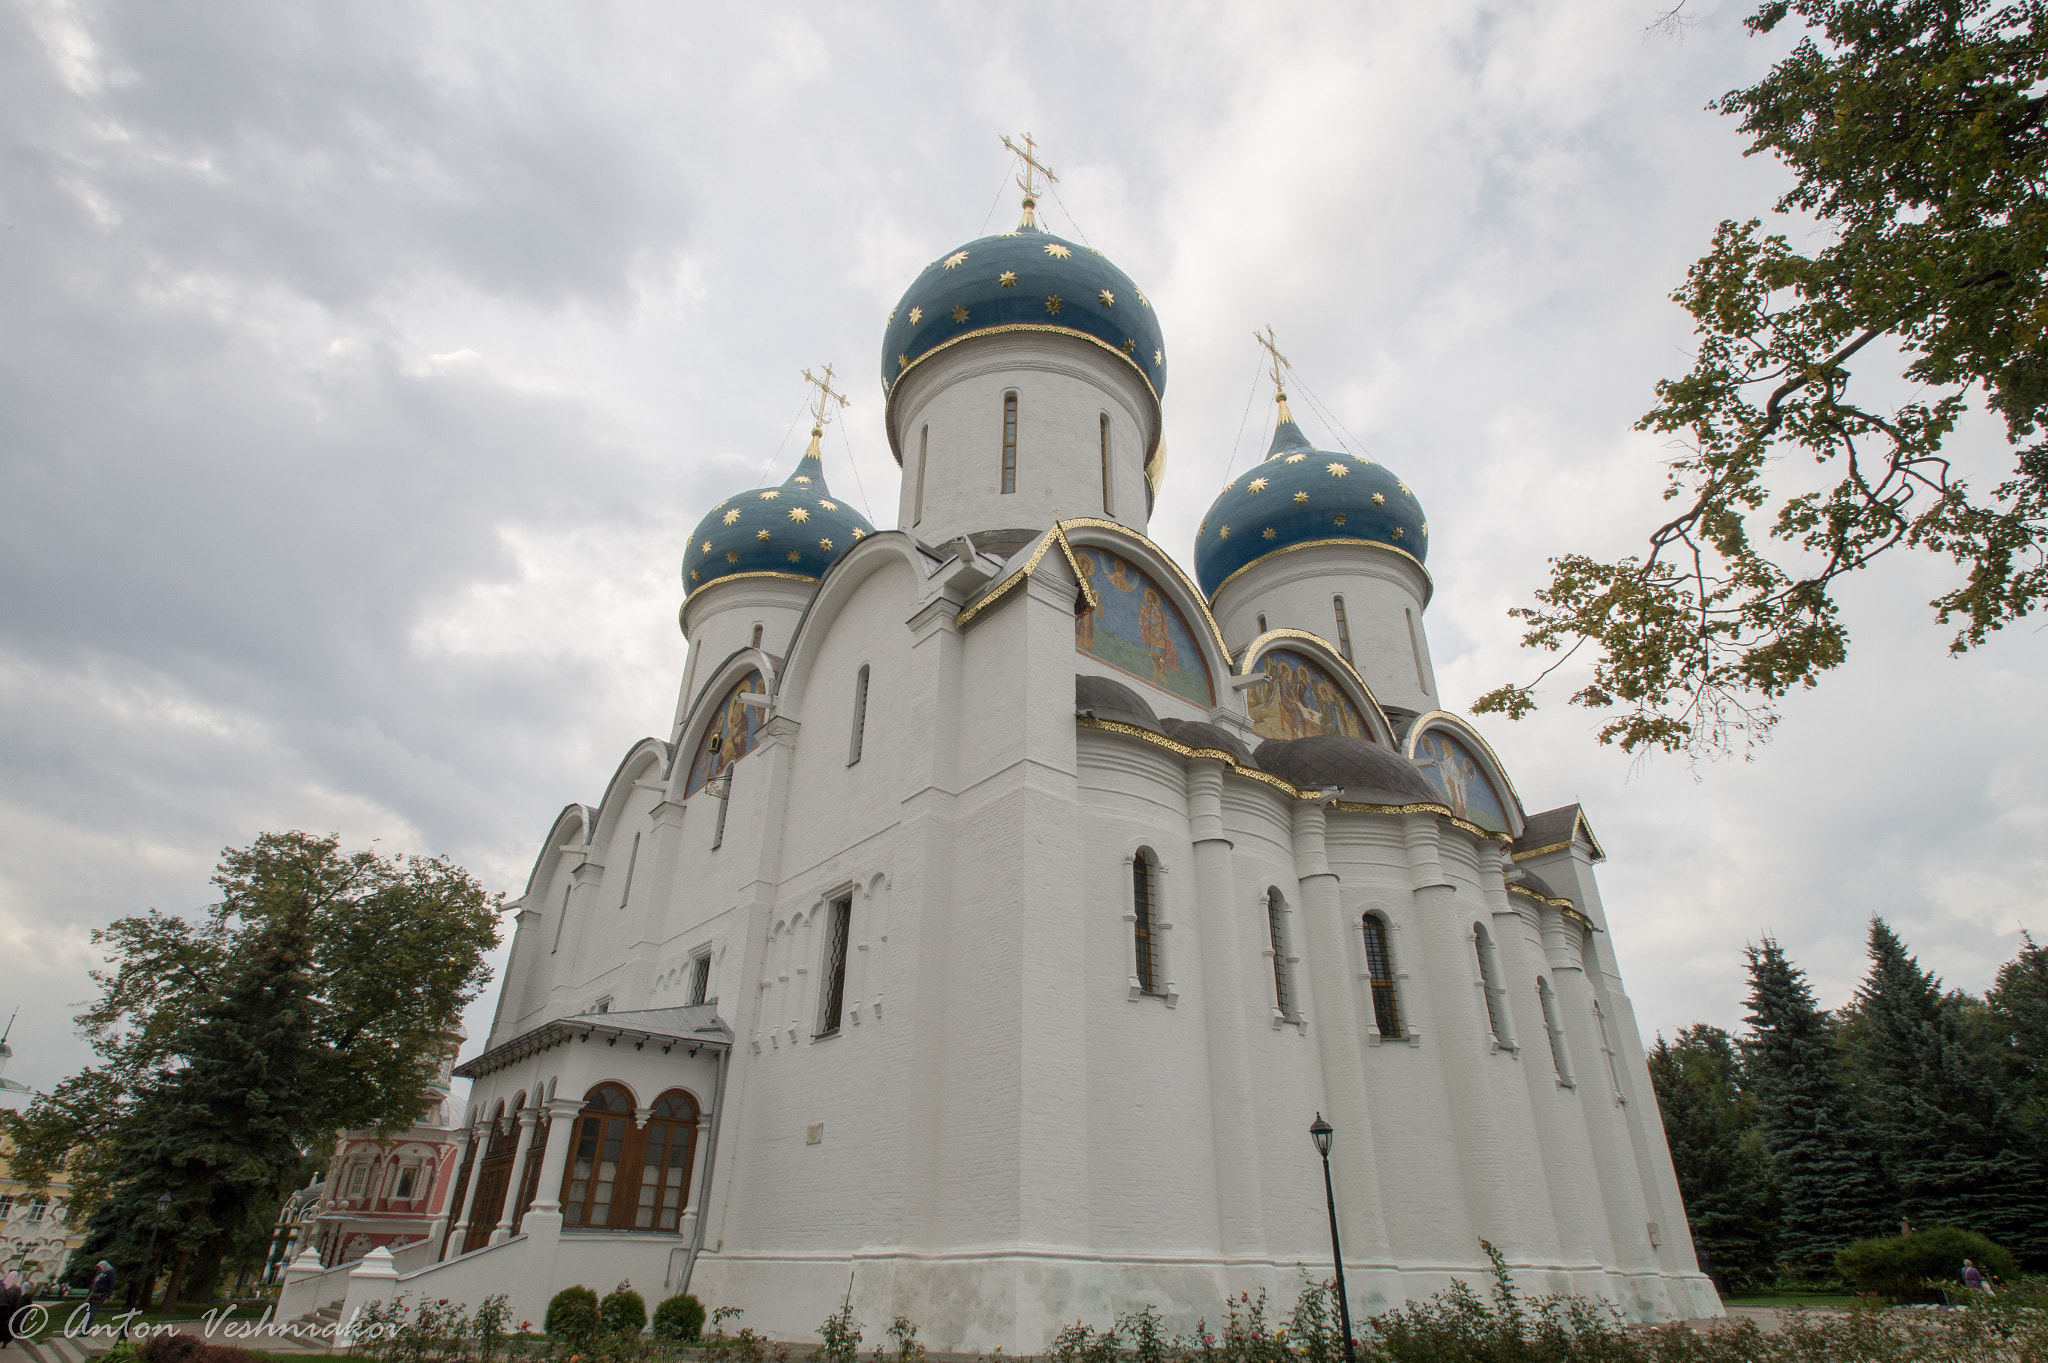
(924, 451)
(1108, 496)
(1276, 932)
(1009, 442)
(1262, 624)
(860, 715)
(1560, 1057)
(1489, 986)
(1607, 1046)
(1379, 973)
(667, 1149)
(593, 1173)
(757, 636)
(1145, 930)
(1343, 629)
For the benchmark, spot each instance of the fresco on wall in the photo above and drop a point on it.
(1445, 761)
(1137, 629)
(731, 735)
(1299, 698)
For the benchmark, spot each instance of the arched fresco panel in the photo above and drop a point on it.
(731, 736)
(1463, 781)
(1138, 630)
(1299, 698)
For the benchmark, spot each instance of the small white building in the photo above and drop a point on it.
(1001, 906)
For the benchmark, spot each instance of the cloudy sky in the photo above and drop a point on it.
(365, 367)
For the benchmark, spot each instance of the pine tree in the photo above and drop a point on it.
(2018, 1006)
(1931, 1087)
(1724, 1175)
(1830, 1184)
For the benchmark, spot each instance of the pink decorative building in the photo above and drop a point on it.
(391, 1191)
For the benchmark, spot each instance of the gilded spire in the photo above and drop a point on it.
(1027, 180)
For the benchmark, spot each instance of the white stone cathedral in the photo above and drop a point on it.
(1001, 906)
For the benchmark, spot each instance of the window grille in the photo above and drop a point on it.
(358, 1180)
(700, 978)
(1282, 996)
(924, 450)
(1481, 948)
(833, 1004)
(632, 860)
(1146, 930)
(1108, 498)
(860, 715)
(1379, 972)
(1009, 442)
(1343, 630)
(1559, 1057)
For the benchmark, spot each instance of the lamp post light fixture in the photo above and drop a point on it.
(1320, 1132)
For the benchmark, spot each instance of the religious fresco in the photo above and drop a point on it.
(1137, 629)
(731, 735)
(1299, 698)
(1447, 763)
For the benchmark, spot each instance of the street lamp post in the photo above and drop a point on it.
(1320, 1132)
(163, 1204)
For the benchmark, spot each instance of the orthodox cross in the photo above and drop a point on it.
(1279, 361)
(821, 405)
(1028, 154)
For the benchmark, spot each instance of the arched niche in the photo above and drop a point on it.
(649, 758)
(836, 591)
(1147, 619)
(726, 729)
(1309, 690)
(1459, 764)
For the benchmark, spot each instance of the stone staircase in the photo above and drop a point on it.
(58, 1349)
(327, 1316)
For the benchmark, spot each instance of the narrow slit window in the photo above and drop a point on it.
(924, 453)
(1379, 973)
(1343, 630)
(1108, 495)
(1262, 624)
(834, 1000)
(700, 978)
(718, 833)
(757, 636)
(1283, 996)
(1415, 647)
(1145, 930)
(1560, 1058)
(1009, 442)
(561, 920)
(632, 861)
(1607, 1045)
(1483, 949)
(860, 715)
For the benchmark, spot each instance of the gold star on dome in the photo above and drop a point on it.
(859, 533)
(903, 362)
(916, 316)
(1301, 496)
(1008, 279)
(1271, 533)
(1404, 488)
(1337, 470)
(760, 534)
(799, 515)
(1425, 527)
(1341, 518)
(1053, 304)
(1129, 345)
(826, 545)
(1106, 298)
(959, 312)
(1203, 526)
(731, 557)
(1229, 485)
(956, 260)
(1223, 533)
(801, 478)
(770, 495)
(794, 556)
(721, 505)
(892, 314)
(1397, 532)
(696, 576)
(1379, 499)
(1143, 301)
(1255, 485)
(1295, 458)
(707, 546)
(829, 506)
(1057, 251)
(1158, 357)
(732, 515)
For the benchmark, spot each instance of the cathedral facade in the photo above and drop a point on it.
(1003, 903)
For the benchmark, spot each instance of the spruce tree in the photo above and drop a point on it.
(1830, 1184)
(2018, 1022)
(1724, 1175)
(1931, 1087)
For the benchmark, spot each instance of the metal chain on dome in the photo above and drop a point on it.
(769, 467)
(1237, 445)
(854, 464)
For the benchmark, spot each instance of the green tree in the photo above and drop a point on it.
(1724, 1174)
(1823, 1154)
(1929, 1077)
(1811, 428)
(392, 953)
(2018, 1023)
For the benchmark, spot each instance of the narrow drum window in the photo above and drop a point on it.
(1282, 996)
(632, 861)
(1379, 973)
(757, 636)
(700, 979)
(860, 715)
(1108, 498)
(1415, 647)
(1607, 1045)
(1262, 624)
(924, 452)
(1483, 949)
(1009, 442)
(833, 1003)
(1145, 929)
(1343, 630)
(1559, 1057)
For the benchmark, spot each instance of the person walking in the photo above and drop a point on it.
(101, 1292)
(1974, 1280)
(12, 1298)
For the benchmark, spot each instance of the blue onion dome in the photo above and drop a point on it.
(796, 530)
(1301, 495)
(1024, 280)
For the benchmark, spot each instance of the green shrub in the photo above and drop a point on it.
(572, 1317)
(679, 1318)
(623, 1311)
(1917, 1266)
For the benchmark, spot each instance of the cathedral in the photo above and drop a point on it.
(1003, 903)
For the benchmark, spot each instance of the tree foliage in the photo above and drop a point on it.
(384, 953)
(1917, 135)
(1724, 1173)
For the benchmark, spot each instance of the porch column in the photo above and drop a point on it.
(461, 1228)
(509, 1211)
(439, 1228)
(547, 1198)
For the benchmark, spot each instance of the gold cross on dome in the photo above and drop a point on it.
(821, 405)
(1028, 154)
(1278, 360)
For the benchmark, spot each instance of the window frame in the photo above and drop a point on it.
(1499, 1026)
(1009, 466)
(860, 717)
(700, 978)
(1375, 983)
(1343, 629)
(924, 454)
(1560, 1046)
(1151, 976)
(1108, 480)
(1286, 1007)
(832, 971)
